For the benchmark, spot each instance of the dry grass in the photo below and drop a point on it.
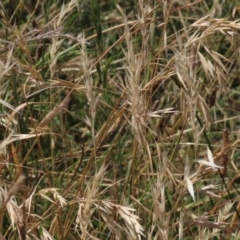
(119, 120)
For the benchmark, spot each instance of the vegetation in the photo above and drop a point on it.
(119, 119)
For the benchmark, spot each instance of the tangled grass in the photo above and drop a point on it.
(119, 120)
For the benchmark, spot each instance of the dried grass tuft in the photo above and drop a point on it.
(123, 120)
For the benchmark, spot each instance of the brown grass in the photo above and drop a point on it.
(119, 120)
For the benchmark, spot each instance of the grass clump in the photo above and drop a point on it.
(120, 120)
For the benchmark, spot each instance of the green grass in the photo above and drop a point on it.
(119, 120)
